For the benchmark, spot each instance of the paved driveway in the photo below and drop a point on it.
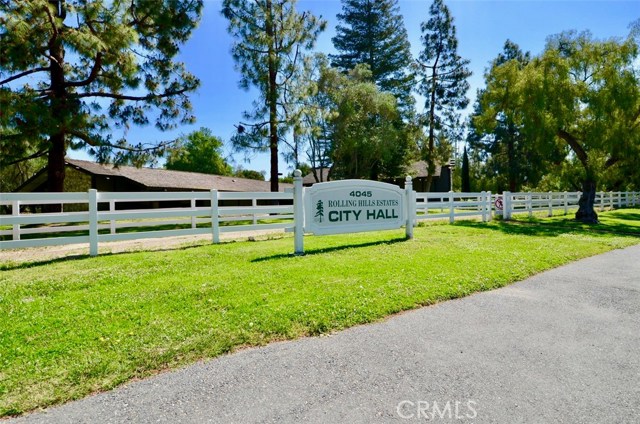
(561, 347)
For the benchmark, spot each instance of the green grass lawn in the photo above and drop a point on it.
(75, 326)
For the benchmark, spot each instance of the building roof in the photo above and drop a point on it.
(418, 169)
(163, 179)
(310, 179)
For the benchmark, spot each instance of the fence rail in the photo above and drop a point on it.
(453, 205)
(94, 217)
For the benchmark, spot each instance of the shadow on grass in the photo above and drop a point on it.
(309, 252)
(541, 228)
(630, 216)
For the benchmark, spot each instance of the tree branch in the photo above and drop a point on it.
(575, 146)
(24, 74)
(33, 156)
(92, 75)
(134, 98)
(611, 161)
(91, 142)
(52, 22)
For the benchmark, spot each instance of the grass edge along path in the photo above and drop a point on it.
(72, 327)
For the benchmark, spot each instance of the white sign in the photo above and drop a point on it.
(352, 206)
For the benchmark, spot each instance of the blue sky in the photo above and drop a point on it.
(482, 28)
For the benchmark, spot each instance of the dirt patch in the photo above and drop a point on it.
(38, 254)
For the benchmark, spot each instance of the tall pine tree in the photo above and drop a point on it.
(443, 79)
(270, 37)
(71, 71)
(372, 32)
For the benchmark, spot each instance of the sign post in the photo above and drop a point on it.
(411, 206)
(298, 212)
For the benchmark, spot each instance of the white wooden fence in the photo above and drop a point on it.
(529, 202)
(114, 216)
(453, 205)
(107, 212)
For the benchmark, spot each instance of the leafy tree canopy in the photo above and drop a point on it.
(368, 140)
(496, 127)
(583, 94)
(249, 173)
(199, 151)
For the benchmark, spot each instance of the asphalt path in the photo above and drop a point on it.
(560, 347)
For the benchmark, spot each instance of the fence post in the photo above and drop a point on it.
(410, 207)
(193, 217)
(112, 222)
(566, 202)
(626, 199)
(15, 211)
(550, 213)
(298, 213)
(489, 207)
(254, 205)
(215, 222)
(93, 222)
(619, 199)
(529, 204)
(452, 213)
(506, 205)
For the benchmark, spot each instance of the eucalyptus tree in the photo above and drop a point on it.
(442, 76)
(372, 32)
(270, 39)
(72, 71)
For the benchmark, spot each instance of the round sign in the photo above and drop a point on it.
(498, 203)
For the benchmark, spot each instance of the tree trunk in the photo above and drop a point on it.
(431, 166)
(55, 164)
(57, 146)
(272, 98)
(511, 158)
(586, 212)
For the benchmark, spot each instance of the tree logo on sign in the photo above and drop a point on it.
(319, 211)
